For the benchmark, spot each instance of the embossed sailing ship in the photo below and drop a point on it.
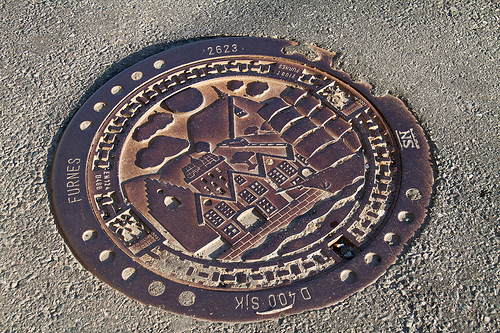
(257, 170)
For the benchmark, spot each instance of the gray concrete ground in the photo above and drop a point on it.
(441, 57)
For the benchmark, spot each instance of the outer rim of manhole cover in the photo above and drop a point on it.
(379, 187)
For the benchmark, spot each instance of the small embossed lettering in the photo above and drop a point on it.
(305, 293)
(255, 303)
(408, 139)
(222, 49)
(73, 180)
(239, 302)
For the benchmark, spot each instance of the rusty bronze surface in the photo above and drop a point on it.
(234, 180)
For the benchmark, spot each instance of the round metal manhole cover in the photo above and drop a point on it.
(235, 180)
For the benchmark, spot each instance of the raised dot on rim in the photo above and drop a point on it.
(116, 90)
(413, 194)
(348, 276)
(159, 64)
(106, 256)
(129, 273)
(372, 259)
(187, 298)
(98, 107)
(86, 125)
(406, 217)
(89, 235)
(136, 76)
(392, 239)
(156, 288)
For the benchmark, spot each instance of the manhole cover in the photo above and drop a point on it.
(235, 180)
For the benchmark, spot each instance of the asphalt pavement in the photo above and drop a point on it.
(442, 58)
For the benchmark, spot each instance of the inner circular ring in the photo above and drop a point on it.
(261, 146)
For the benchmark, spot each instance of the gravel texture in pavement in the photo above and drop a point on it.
(442, 58)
